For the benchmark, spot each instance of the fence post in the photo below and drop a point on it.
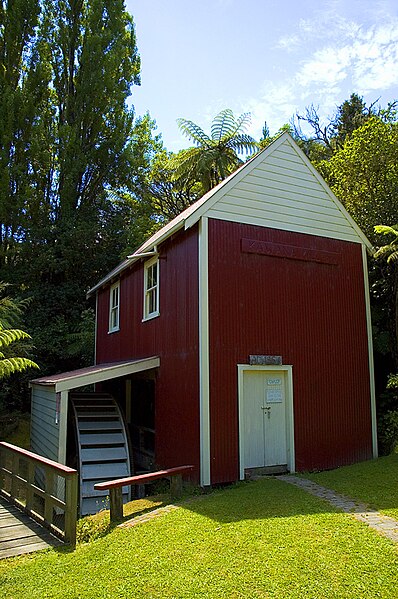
(2, 465)
(116, 504)
(30, 478)
(176, 486)
(49, 485)
(14, 473)
(71, 484)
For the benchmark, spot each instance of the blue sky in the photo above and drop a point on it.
(271, 58)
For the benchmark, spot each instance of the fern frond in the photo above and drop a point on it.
(386, 230)
(10, 365)
(243, 144)
(8, 336)
(223, 125)
(194, 132)
(242, 122)
(393, 257)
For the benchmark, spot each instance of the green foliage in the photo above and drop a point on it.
(388, 428)
(330, 136)
(94, 527)
(15, 429)
(72, 161)
(214, 156)
(9, 363)
(364, 175)
(389, 251)
(170, 193)
(10, 312)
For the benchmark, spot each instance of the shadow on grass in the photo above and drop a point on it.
(265, 498)
(269, 498)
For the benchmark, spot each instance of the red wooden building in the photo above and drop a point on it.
(249, 314)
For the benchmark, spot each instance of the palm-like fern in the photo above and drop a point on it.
(214, 157)
(10, 364)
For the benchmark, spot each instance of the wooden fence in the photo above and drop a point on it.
(45, 490)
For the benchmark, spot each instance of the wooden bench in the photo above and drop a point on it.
(115, 487)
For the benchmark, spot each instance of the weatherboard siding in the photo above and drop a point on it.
(44, 430)
(282, 192)
(173, 336)
(307, 305)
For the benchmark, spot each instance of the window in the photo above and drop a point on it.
(114, 307)
(151, 288)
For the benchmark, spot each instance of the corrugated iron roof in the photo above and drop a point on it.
(96, 373)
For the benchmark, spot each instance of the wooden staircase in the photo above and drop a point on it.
(103, 450)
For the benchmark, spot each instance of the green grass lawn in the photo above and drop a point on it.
(263, 539)
(374, 482)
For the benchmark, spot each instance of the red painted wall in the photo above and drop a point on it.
(310, 312)
(173, 336)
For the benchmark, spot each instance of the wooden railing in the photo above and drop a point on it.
(44, 489)
(115, 487)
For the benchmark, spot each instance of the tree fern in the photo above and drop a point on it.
(10, 364)
(214, 158)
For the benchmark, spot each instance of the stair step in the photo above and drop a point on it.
(93, 425)
(87, 439)
(104, 471)
(103, 448)
(97, 454)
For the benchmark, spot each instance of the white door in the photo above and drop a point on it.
(263, 411)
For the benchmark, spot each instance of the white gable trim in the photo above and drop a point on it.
(204, 375)
(209, 207)
(232, 180)
(370, 354)
(204, 205)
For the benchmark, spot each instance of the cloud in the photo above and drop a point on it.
(370, 61)
(339, 55)
(289, 42)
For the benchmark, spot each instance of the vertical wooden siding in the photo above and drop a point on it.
(173, 336)
(313, 314)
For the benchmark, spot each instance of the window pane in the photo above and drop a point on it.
(152, 301)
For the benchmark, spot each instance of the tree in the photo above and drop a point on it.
(170, 194)
(364, 174)
(23, 88)
(389, 252)
(69, 151)
(329, 136)
(214, 157)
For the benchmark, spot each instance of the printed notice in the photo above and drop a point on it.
(274, 381)
(274, 396)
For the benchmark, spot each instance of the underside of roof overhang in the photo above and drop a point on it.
(74, 379)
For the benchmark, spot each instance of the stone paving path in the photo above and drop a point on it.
(386, 526)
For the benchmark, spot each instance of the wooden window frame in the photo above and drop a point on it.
(114, 308)
(149, 291)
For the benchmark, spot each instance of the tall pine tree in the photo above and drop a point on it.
(67, 68)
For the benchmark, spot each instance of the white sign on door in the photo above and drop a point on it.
(273, 396)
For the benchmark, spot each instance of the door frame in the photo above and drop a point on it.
(288, 369)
